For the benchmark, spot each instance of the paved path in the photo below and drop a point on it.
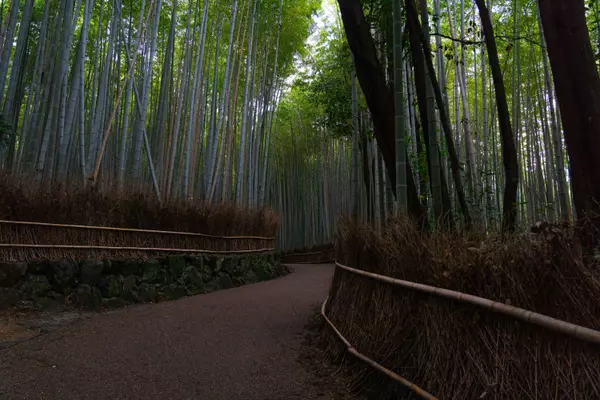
(234, 344)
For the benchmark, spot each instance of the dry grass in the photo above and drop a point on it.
(88, 206)
(458, 351)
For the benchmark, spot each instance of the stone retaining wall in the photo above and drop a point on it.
(112, 283)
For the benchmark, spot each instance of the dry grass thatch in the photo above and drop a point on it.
(123, 210)
(459, 351)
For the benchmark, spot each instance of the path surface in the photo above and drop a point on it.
(234, 344)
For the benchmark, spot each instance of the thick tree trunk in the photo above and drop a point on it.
(578, 93)
(509, 153)
(378, 95)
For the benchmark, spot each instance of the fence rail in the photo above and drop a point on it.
(119, 248)
(414, 388)
(24, 240)
(114, 229)
(564, 327)
(569, 329)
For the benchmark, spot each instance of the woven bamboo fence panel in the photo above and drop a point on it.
(22, 241)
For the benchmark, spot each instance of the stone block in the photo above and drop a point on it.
(63, 274)
(173, 291)
(219, 265)
(249, 277)
(129, 288)
(146, 293)
(123, 266)
(196, 261)
(176, 266)
(35, 286)
(37, 267)
(91, 272)
(88, 297)
(211, 286)
(151, 270)
(11, 273)
(9, 297)
(225, 281)
(263, 270)
(114, 286)
(132, 267)
(192, 278)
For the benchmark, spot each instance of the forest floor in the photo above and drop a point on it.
(251, 342)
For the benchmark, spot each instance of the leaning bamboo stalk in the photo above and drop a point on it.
(567, 328)
(119, 248)
(118, 100)
(108, 228)
(417, 390)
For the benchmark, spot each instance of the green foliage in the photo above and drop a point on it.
(330, 86)
(6, 131)
(321, 91)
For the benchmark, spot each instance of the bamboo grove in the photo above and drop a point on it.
(455, 155)
(174, 95)
(282, 103)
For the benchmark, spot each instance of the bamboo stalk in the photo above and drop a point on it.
(107, 228)
(567, 328)
(117, 248)
(417, 390)
(107, 131)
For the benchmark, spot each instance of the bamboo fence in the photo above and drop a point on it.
(23, 240)
(556, 325)
(107, 228)
(414, 388)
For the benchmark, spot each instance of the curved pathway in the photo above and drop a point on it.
(241, 343)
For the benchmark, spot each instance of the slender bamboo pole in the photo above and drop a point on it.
(119, 94)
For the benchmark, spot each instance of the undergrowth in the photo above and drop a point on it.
(140, 210)
(459, 351)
